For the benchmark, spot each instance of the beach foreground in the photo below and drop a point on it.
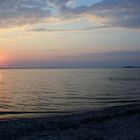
(114, 123)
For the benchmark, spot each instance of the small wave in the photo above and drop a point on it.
(124, 78)
(124, 101)
(2, 83)
(32, 112)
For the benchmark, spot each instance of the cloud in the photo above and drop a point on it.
(106, 59)
(20, 12)
(112, 13)
(107, 13)
(60, 3)
(62, 30)
(116, 58)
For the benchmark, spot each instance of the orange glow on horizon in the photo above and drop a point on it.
(3, 59)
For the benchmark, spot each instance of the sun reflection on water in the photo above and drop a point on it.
(4, 95)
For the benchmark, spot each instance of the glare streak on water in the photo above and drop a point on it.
(36, 90)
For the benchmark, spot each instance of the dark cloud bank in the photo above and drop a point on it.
(107, 59)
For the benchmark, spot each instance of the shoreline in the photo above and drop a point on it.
(118, 122)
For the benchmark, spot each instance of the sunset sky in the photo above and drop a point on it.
(69, 33)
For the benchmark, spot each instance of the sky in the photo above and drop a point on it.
(69, 33)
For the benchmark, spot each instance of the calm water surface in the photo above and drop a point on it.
(62, 90)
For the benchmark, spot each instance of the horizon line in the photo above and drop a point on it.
(70, 67)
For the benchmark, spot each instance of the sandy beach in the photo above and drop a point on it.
(114, 123)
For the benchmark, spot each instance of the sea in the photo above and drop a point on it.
(39, 92)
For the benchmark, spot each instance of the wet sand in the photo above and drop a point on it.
(114, 123)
